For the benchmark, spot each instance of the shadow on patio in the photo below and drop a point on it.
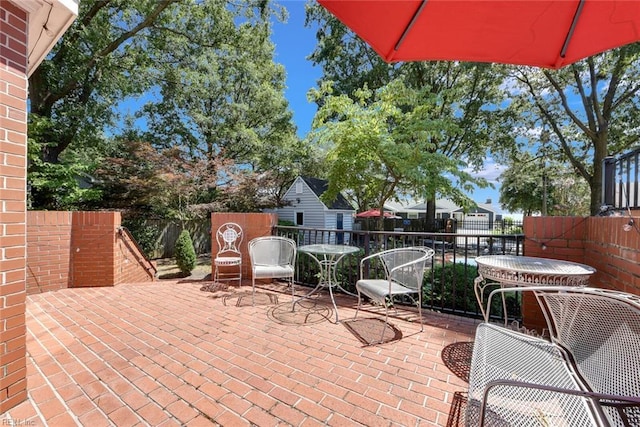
(168, 353)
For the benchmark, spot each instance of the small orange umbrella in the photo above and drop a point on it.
(375, 213)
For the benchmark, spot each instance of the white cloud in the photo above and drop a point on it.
(491, 170)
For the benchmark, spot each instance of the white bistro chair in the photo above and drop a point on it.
(229, 238)
(272, 257)
(398, 271)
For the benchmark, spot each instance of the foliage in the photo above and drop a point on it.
(456, 107)
(382, 143)
(215, 96)
(139, 179)
(452, 289)
(73, 91)
(185, 253)
(145, 235)
(532, 185)
(590, 108)
(64, 185)
(222, 99)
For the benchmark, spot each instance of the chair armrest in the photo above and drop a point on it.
(599, 400)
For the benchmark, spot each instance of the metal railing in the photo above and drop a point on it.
(448, 286)
(620, 186)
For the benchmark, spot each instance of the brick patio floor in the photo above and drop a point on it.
(169, 354)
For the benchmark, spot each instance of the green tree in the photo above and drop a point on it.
(222, 98)
(207, 67)
(100, 60)
(534, 185)
(465, 96)
(590, 107)
(382, 144)
(185, 253)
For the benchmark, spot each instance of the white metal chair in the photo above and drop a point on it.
(229, 238)
(272, 257)
(586, 374)
(393, 272)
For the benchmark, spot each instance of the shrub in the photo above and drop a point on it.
(185, 253)
(451, 289)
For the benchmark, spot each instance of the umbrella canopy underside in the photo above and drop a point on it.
(543, 33)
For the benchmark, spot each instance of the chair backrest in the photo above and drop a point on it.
(229, 237)
(601, 329)
(272, 250)
(405, 266)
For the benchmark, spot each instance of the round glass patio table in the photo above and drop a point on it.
(327, 256)
(513, 270)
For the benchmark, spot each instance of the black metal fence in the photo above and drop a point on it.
(448, 285)
(443, 225)
(620, 187)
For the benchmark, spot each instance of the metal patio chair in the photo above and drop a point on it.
(390, 273)
(272, 257)
(229, 237)
(586, 374)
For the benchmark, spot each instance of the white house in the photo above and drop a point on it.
(484, 213)
(305, 209)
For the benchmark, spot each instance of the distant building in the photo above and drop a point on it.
(484, 214)
(305, 209)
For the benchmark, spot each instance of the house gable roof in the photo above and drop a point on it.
(319, 186)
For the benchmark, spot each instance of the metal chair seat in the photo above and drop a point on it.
(398, 271)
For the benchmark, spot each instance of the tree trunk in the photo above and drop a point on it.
(430, 220)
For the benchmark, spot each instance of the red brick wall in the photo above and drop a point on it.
(48, 249)
(93, 248)
(614, 252)
(253, 225)
(13, 160)
(600, 242)
(80, 249)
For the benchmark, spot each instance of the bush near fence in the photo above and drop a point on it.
(158, 237)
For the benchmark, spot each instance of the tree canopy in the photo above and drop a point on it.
(206, 74)
(590, 108)
(464, 98)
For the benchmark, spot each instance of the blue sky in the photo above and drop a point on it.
(294, 43)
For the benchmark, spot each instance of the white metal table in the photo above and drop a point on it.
(513, 270)
(327, 257)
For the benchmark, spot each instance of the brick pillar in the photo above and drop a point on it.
(551, 237)
(93, 248)
(13, 160)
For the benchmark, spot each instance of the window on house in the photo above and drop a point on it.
(298, 188)
(299, 218)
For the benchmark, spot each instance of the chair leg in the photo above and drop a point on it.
(253, 293)
(293, 294)
(386, 322)
(359, 302)
(420, 313)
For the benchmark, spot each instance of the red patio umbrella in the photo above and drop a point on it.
(375, 213)
(543, 33)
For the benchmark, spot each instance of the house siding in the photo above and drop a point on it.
(316, 214)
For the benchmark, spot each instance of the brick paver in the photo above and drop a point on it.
(166, 353)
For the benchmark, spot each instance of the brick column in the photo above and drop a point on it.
(13, 160)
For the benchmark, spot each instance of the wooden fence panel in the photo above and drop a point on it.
(168, 232)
